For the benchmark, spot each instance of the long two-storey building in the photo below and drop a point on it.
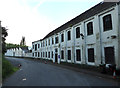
(92, 38)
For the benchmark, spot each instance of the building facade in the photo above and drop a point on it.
(92, 38)
(19, 52)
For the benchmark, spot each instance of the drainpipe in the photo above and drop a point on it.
(100, 41)
(85, 43)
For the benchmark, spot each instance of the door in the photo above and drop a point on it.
(109, 55)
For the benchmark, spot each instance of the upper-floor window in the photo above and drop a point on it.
(43, 43)
(46, 42)
(90, 28)
(69, 35)
(49, 41)
(62, 37)
(38, 45)
(107, 22)
(78, 32)
(56, 39)
(52, 41)
(35, 46)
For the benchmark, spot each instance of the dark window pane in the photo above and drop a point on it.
(90, 28)
(52, 54)
(62, 37)
(62, 54)
(46, 54)
(38, 54)
(107, 22)
(35, 47)
(78, 32)
(69, 54)
(78, 55)
(56, 39)
(91, 55)
(109, 55)
(69, 35)
(49, 55)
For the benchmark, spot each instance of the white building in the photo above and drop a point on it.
(92, 38)
(19, 52)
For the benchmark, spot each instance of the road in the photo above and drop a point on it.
(36, 73)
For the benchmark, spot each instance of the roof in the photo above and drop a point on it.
(85, 15)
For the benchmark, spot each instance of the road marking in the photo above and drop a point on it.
(20, 69)
(24, 79)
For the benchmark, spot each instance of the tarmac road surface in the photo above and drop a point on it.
(35, 73)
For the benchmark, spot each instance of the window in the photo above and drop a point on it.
(52, 54)
(48, 54)
(78, 55)
(62, 37)
(107, 22)
(35, 47)
(69, 35)
(46, 42)
(49, 41)
(91, 55)
(109, 55)
(41, 54)
(78, 32)
(62, 54)
(38, 54)
(69, 54)
(38, 45)
(90, 28)
(52, 41)
(56, 40)
(43, 43)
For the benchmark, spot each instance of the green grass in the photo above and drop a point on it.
(7, 68)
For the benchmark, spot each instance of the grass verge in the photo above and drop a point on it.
(7, 68)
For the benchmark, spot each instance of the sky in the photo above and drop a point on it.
(34, 19)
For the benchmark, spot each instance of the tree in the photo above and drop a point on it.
(4, 34)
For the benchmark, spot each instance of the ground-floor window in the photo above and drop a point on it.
(91, 55)
(78, 55)
(62, 54)
(52, 54)
(38, 54)
(69, 54)
(48, 54)
(109, 55)
(41, 54)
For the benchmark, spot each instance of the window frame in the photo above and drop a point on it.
(90, 28)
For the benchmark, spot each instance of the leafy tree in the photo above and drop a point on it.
(4, 34)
